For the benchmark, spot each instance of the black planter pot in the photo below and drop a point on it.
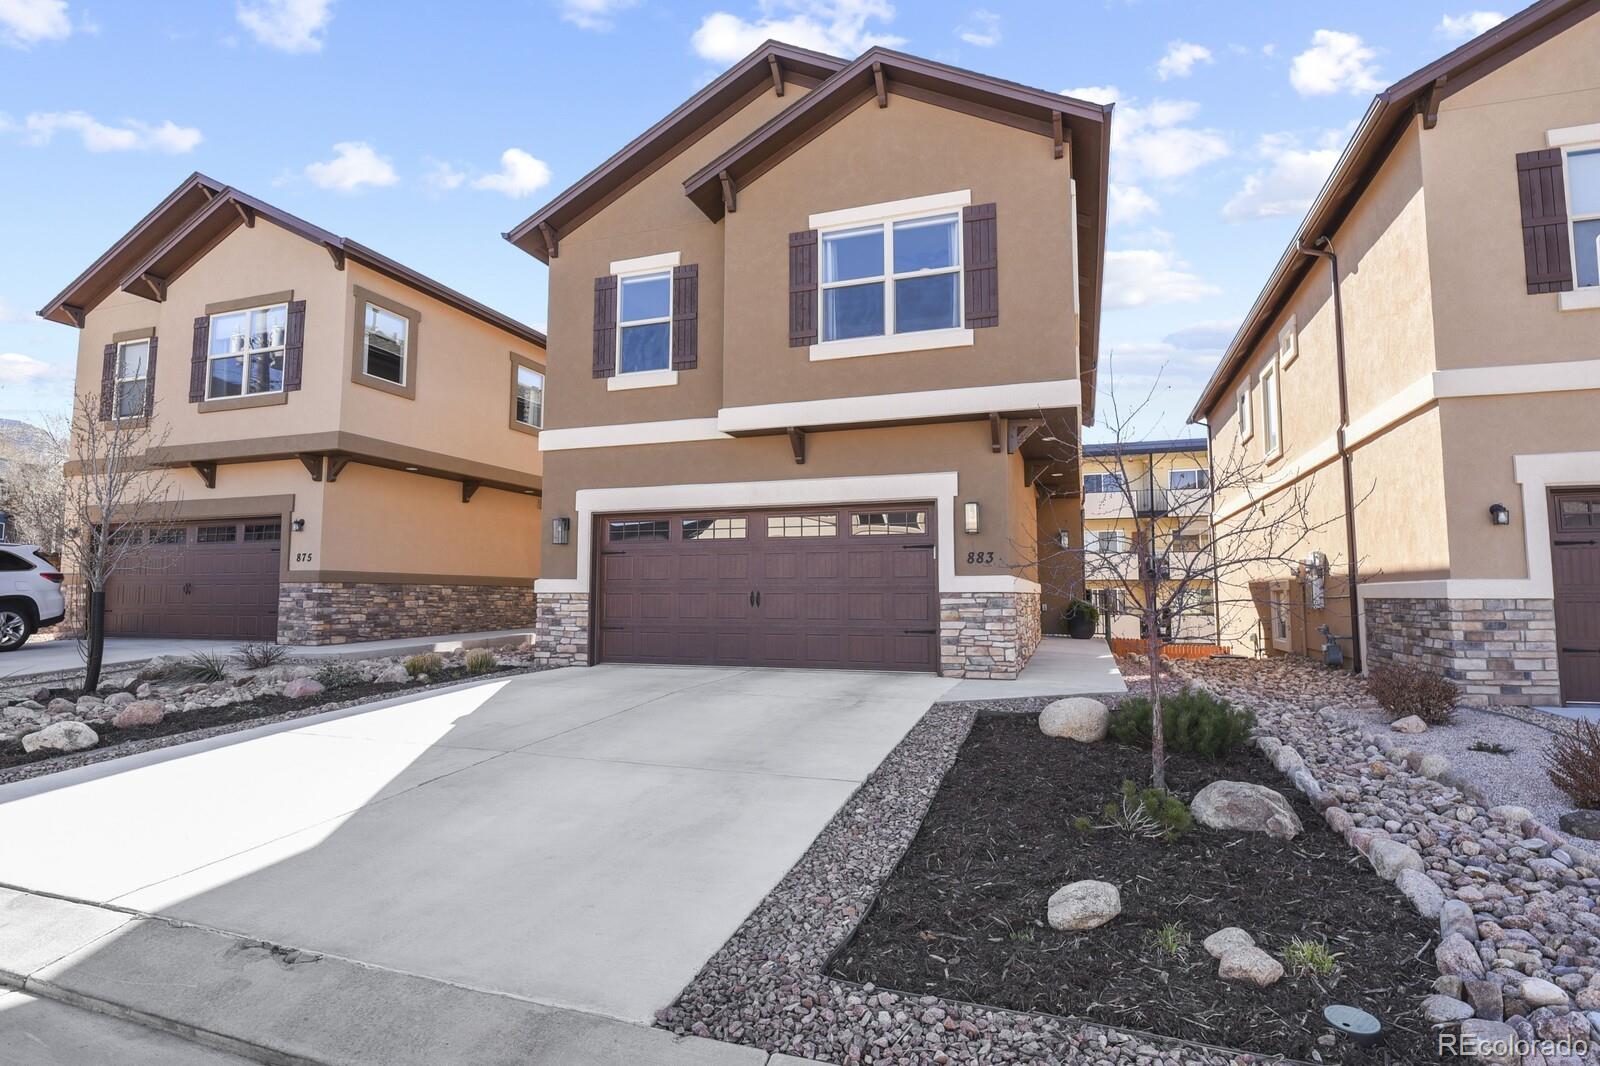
(1081, 626)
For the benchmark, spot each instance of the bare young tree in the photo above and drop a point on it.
(111, 494)
(1176, 559)
(33, 485)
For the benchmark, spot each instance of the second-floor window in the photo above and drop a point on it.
(644, 323)
(1102, 483)
(1247, 424)
(1271, 413)
(530, 397)
(246, 352)
(891, 277)
(1583, 194)
(1106, 542)
(1182, 480)
(133, 378)
(386, 336)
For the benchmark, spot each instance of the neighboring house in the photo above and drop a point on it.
(353, 447)
(1159, 487)
(817, 333)
(1437, 406)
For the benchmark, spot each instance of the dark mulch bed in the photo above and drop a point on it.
(241, 714)
(963, 916)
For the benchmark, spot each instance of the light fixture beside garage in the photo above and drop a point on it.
(1499, 514)
(560, 529)
(299, 525)
(970, 523)
(1063, 539)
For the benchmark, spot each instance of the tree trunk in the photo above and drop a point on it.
(96, 639)
(1158, 736)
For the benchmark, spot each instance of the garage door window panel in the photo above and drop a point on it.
(888, 523)
(216, 534)
(697, 529)
(781, 527)
(647, 530)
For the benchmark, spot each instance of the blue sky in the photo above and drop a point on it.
(425, 130)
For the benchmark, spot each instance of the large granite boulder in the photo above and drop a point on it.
(1244, 806)
(1084, 905)
(62, 737)
(1077, 718)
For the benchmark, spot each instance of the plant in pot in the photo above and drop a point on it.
(1082, 618)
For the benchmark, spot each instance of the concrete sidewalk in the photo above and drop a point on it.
(1060, 667)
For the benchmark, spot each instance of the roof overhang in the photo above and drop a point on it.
(1416, 96)
(772, 66)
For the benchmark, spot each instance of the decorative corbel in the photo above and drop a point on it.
(777, 74)
(880, 84)
(336, 465)
(313, 465)
(336, 254)
(552, 245)
(994, 431)
(797, 444)
(1058, 134)
(1021, 430)
(1428, 104)
(76, 313)
(730, 195)
(207, 472)
(246, 213)
(468, 488)
(156, 285)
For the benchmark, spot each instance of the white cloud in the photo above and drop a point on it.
(27, 22)
(1211, 335)
(594, 14)
(1180, 60)
(1146, 277)
(442, 177)
(1288, 183)
(1129, 203)
(838, 27)
(981, 29)
(354, 164)
(1335, 62)
(1154, 141)
(520, 174)
(9, 313)
(287, 25)
(1465, 27)
(19, 369)
(130, 136)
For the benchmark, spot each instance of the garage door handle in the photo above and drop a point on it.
(1580, 651)
(1572, 543)
(187, 588)
(924, 632)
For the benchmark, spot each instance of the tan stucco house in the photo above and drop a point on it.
(1424, 364)
(352, 447)
(816, 336)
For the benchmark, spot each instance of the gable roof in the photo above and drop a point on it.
(771, 63)
(199, 213)
(1388, 117)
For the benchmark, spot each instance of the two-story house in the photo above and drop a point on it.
(1134, 493)
(816, 334)
(351, 448)
(1423, 369)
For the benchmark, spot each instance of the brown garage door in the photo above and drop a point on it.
(850, 588)
(1575, 548)
(216, 579)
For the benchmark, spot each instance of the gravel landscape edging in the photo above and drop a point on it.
(768, 986)
(332, 710)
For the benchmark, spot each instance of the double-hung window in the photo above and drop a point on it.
(1583, 213)
(386, 338)
(133, 378)
(246, 352)
(1271, 412)
(530, 397)
(1102, 483)
(891, 278)
(644, 322)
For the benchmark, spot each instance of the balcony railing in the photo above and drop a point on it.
(1152, 502)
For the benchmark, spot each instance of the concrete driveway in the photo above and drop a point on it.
(584, 838)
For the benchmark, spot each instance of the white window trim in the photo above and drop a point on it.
(1244, 401)
(1585, 297)
(891, 343)
(893, 209)
(117, 380)
(366, 350)
(1271, 411)
(1197, 487)
(244, 381)
(517, 384)
(634, 269)
(1289, 342)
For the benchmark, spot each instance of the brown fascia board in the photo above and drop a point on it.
(199, 234)
(1387, 118)
(668, 136)
(988, 97)
(99, 280)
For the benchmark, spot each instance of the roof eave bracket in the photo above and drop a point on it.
(336, 254)
(1062, 137)
(156, 285)
(246, 213)
(880, 84)
(1428, 103)
(552, 244)
(76, 313)
(777, 74)
(730, 194)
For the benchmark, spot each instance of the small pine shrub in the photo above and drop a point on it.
(1407, 690)
(1191, 721)
(1573, 763)
(205, 666)
(1083, 824)
(427, 663)
(336, 673)
(258, 655)
(480, 661)
(1150, 813)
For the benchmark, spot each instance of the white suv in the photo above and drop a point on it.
(30, 593)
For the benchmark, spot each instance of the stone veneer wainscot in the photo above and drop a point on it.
(987, 635)
(1498, 651)
(313, 612)
(561, 629)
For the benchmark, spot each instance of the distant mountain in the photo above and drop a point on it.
(19, 438)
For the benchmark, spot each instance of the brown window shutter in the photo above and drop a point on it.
(294, 345)
(981, 271)
(197, 359)
(1546, 244)
(108, 382)
(685, 317)
(803, 288)
(605, 326)
(150, 380)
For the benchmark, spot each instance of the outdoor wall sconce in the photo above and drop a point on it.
(1063, 539)
(1499, 514)
(970, 524)
(560, 529)
(299, 525)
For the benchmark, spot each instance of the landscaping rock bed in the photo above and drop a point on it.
(54, 728)
(963, 915)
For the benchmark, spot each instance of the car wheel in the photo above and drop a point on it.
(15, 629)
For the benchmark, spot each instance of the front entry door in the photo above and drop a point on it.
(1575, 549)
